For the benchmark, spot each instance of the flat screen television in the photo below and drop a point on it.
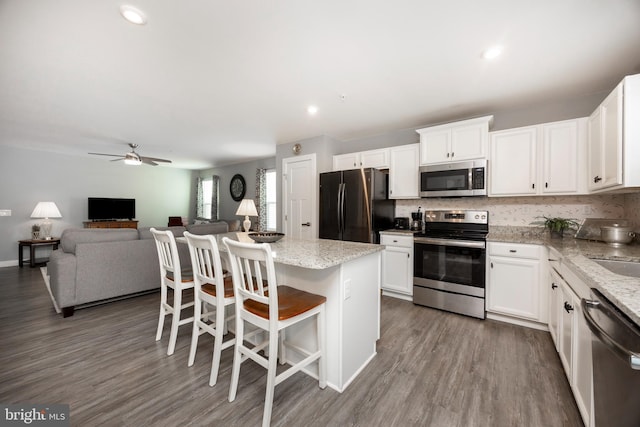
(102, 208)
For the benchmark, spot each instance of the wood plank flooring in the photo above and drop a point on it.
(432, 369)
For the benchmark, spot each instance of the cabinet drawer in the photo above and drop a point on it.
(396, 240)
(514, 250)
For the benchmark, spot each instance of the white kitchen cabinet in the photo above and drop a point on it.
(514, 289)
(452, 142)
(513, 162)
(404, 172)
(545, 159)
(614, 139)
(397, 265)
(573, 341)
(378, 159)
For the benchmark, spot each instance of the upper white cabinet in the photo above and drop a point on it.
(614, 139)
(404, 172)
(544, 159)
(456, 141)
(378, 159)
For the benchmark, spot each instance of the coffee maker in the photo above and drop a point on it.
(416, 220)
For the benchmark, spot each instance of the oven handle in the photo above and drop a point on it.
(449, 242)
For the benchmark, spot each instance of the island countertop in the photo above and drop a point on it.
(315, 254)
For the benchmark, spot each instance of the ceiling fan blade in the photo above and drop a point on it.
(148, 161)
(154, 159)
(117, 160)
(103, 154)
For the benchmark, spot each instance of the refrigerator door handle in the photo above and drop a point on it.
(338, 208)
(341, 208)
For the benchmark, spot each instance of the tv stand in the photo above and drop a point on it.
(111, 224)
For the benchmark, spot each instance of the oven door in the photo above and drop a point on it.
(454, 265)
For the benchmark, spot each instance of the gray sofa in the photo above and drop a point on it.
(93, 265)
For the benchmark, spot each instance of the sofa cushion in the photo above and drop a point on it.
(145, 232)
(212, 228)
(72, 236)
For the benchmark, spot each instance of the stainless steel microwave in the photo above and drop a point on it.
(454, 179)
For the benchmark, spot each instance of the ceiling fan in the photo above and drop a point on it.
(133, 158)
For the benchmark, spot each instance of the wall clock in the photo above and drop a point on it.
(237, 187)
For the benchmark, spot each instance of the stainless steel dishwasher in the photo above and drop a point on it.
(616, 363)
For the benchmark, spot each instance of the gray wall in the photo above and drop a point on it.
(29, 176)
(227, 206)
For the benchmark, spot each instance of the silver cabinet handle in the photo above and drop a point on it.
(306, 224)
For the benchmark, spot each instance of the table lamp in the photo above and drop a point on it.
(247, 208)
(46, 210)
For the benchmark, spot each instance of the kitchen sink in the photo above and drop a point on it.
(625, 268)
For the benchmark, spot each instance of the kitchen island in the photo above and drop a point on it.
(348, 274)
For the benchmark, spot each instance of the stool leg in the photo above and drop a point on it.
(237, 358)
(197, 315)
(271, 377)
(175, 321)
(217, 346)
(163, 313)
(322, 343)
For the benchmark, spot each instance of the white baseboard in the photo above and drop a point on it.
(516, 321)
(10, 263)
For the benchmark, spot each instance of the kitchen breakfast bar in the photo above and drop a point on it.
(348, 274)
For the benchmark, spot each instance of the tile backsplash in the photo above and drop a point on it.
(522, 211)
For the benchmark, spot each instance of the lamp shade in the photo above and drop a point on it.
(46, 210)
(247, 207)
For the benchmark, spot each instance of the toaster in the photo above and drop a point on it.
(401, 223)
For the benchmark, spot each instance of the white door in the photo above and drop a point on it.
(299, 195)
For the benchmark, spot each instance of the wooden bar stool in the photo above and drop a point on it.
(271, 308)
(214, 289)
(173, 276)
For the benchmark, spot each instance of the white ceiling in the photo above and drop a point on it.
(210, 82)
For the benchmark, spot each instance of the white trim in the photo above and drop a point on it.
(10, 263)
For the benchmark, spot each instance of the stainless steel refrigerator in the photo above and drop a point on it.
(354, 205)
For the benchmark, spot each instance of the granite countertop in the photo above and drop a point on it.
(316, 254)
(577, 255)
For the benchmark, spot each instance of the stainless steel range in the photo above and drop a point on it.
(449, 262)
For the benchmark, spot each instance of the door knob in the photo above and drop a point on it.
(306, 224)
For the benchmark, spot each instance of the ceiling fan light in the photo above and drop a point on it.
(132, 161)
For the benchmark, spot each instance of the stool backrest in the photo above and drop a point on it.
(205, 260)
(167, 254)
(251, 268)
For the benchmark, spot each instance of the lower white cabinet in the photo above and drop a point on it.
(514, 288)
(397, 265)
(573, 337)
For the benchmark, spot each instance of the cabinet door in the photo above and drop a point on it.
(469, 142)
(435, 146)
(555, 295)
(397, 275)
(560, 158)
(594, 153)
(513, 287)
(582, 363)
(567, 310)
(404, 172)
(374, 159)
(346, 161)
(611, 109)
(512, 168)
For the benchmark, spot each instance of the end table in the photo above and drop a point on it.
(33, 244)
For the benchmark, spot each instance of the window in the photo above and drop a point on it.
(207, 195)
(271, 199)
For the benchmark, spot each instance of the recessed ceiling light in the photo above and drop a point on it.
(492, 52)
(312, 109)
(133, 15)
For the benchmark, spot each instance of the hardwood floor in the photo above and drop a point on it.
(432, 369)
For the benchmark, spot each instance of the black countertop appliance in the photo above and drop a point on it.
(416, 220)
